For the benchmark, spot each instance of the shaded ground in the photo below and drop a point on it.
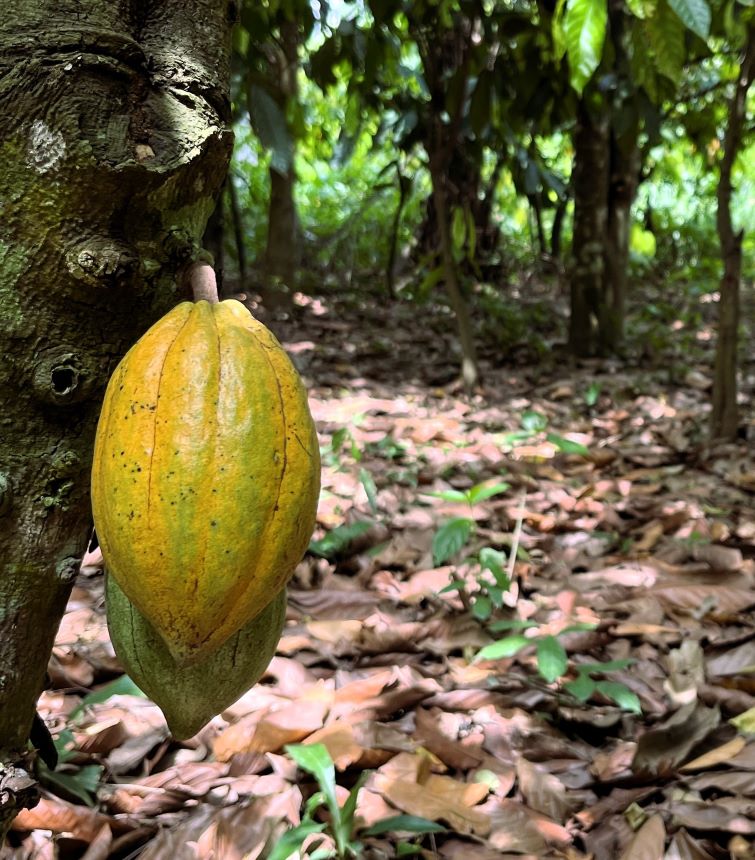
(619, 536)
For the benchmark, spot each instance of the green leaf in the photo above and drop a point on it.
(584, 33)
(343, 825)
(409, 823)
(450, 538)
(592, 394)
(642, 9)
(567, 446)
(482, 608)
(504, 648)
(557, 30)
(494, 561)
(431, 279)
(65, 744)
(449, 495)
(579, 627)
(508, 440)
(452, 586)
(370, 488)
(552, 661)
(458, 231)
(533, 422)
(313, 803)
(338, 439)
(315, 759)
(620, 694)
(582, 687)
(269, 123)
(83, 784)
(336, 540)
(745, 722)
(695, 15)
(122, 686)
(293, 839)
(666, 36)
(483, 492)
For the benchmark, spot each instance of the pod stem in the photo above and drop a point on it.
(201, 278)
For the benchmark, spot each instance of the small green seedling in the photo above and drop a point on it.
(315, 760)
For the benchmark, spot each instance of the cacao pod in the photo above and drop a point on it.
(190, 696)
(206, 474)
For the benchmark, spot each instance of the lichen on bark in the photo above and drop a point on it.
(114, 144)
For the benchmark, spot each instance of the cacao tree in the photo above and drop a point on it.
(448, 77)
(266, 67)
(114, 143)
(625, 60)
(725, 412)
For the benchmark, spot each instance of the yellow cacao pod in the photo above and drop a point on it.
(190, 696)
(206, 474)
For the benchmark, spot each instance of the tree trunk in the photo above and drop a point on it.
(283, 253)
(590, 184)
(622, 188)
(213, 239)
(725, 414)
(558, 228)
(238, 232)
(537, 210)
(114, 145)
(281, 263)
(469, 370)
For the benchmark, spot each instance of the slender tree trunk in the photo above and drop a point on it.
(238, 232)
(622, 188)
(469, 370)
(114, 145)
(454, 178)
(282, 258)
(590, 183)
(534, 201)
(282, 252)
(725, 414)
(558, 228)
(390, 265)
(213, 239)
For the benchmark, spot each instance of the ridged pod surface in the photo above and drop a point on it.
(190, 696)
(206, 474)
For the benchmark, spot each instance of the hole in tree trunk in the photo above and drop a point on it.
(64, 379)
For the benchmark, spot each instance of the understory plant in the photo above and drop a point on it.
(342, 823)
(492, 601)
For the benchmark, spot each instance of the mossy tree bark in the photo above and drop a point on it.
(114, 141)
(725, 414)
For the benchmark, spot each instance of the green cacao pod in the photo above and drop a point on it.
(190, 696)
(206, 474)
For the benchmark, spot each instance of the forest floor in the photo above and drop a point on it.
(617, 535)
